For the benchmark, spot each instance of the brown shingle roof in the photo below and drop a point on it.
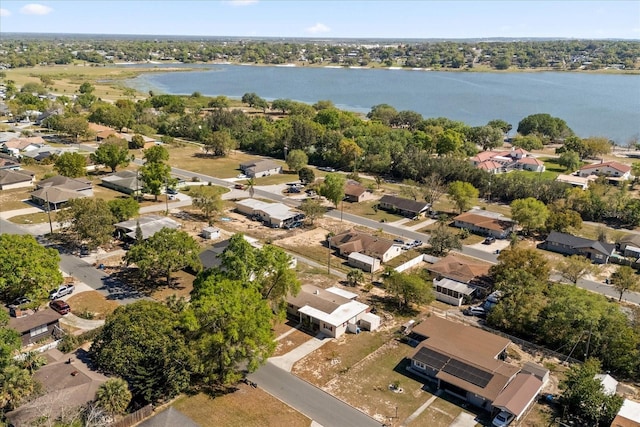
(354, 190)
(518, 393)
(457, 268)
(484, 221)
(41, 317)
(66, 183)
(613, 164)
(8, 177)
(356, 241)
(404, 204)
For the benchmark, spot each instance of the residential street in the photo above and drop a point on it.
(308, 399)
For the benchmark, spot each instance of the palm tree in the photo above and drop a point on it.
(114, 396)
(251, 182)
(355, 276)
(33, 361)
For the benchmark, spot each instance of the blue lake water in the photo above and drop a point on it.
(592, 104)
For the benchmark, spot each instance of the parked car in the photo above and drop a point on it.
(172, 191)
(84, 251)
(60, 306)
(475, 311)
(503, 419)
(489, 240)
(61, 291)
(239, 186)
(398, 241)
(19, 302)
(326, 169)
(416, 243)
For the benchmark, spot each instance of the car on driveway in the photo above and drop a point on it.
(62, 291)
(503, 419)
(60, 306)
(19, 302)
(475, 311)
(239, 186)
(489, 240)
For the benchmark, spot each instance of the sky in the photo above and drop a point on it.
(400, 19)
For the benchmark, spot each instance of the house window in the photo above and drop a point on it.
(419, 364)
(328, 327)
(38, 330)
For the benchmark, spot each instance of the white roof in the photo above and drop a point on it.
(630, 410)
(340, 315)
(370, 317)
(252, 203)
(277, 211)
(342, 293)
(609, 383)
(454, 285)
(362, 258)
(489, 214)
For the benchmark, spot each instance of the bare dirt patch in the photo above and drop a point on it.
(92, 302)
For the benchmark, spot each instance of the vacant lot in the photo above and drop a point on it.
(93, 303)
(246, 407)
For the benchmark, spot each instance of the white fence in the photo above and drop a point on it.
(41, 349)
(411, 263)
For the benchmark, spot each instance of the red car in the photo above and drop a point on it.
(60, 306)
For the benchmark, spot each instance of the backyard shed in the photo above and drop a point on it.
(364, 262)
(370, 321)
(211, 233)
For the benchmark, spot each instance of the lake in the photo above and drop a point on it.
(591, 104)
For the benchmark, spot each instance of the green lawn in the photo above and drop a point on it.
(366, 210)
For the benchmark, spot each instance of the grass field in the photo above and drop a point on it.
(92, 302)
(366, 210)
(190, 157)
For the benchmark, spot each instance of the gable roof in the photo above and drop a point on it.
(326, 305)
(65, 183)
(458, 268)
(355, 190)
(489, 165)
(40, 317)
(632, 239)
(613, 165)
(258, 166)
(125, 179)
(22, 143)
(149, 225)
(169, 418)
(9, 176)
(56, 195)
(580, 242)
(356, 241)
(517, 395)
(405, 204)
(530, 161)
(628, 415)
(487, 221)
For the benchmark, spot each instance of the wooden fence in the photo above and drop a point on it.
(135, 417)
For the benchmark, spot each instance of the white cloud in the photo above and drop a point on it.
(318, 28)
(35, 9)
(242, 2)
(5, 12)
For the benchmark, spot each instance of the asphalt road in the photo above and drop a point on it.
(309, 400)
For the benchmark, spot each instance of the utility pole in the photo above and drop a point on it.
(166, 194)
(48, 207)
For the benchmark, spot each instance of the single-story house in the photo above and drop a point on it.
(468, 363)
(329, 311)
(96, 128)
(125, 181)
(568, 244)
(351, 241)
(275, 215)
(363, 262)
(452, 292)
(504, 161)
(629, 245)
(576, 181)
(491, 166)
(10, 179)
(149, 225)
(530, 164)
(461, 269)
(485, 223)
(258, 168)
(35, 326)
(611, 169)
(58, 190)
(354, 192)
(628, 415)
(209, 257)
(18, 145)
(8, 164)
(406, 207)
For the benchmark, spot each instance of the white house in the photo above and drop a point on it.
(611, 169)
(258, 168)
(10, 179)
(451, 291)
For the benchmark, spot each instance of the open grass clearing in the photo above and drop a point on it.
(92, 302)
(247, 407)
(14, 199)
(291, 341)
(192, 158)
(35, 218)
(366, 210)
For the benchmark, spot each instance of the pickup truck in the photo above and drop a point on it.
(62, 291)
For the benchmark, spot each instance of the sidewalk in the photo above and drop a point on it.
(18, 212)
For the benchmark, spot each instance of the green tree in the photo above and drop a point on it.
(251, 186)
(570, 160)
(504, 126)
(296, 160)
(530, 213)
(164, 253)
(462, 194)
(443, 240)
(124, 208)
(584, 396)
(276, 278)
(90, 221)
(71, 165)
(220, 143)
(143, 344)
(112, 154)
(333, 188)
(545, 126)
(282, 104)
(229, 328)
(563, 219)
(355, 276)
(137, 142)
(154, 177)
(306, 175)
(239, 260)
(519, 258)
(209, 202)
(27, 268)
(574, 268)
(625, 279)
(408, 289)
(312, 209)
(156, 154)
(528, 142)
(487, 137)
(113, 396)
(86, 87)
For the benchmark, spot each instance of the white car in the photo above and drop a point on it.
(62, 291)
(503, 419)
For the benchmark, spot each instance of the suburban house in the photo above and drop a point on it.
(614, 170)
(10, 179)
(628, 415)
(406, 207)
(505, 161)
(101, 136)
(19, 145)
(125, 181)
(629, 245)
(468, 363)
(354, 192)
(576, 181)
(568, 244)
(54, 192)
(330, 311)
(461, 269)
(149, 225)
(8, 164)
(351, 241)
(485, 223)
(452, 292)
(276, 215)
(258, 168)
(96, 128)
(35, 326)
